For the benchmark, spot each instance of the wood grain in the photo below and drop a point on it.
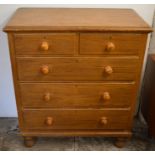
(59, 43)
(73, 133)
(76, 95)
(125, 43)
(15, 79)
(76, 119)
(77, 69)
(72, 19)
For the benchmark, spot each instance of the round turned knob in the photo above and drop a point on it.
(44, 69)
(49, 121)
(108, 70)
(110, 46)
(44, 46)
(47, 97)
(104, 120)
(106, 96)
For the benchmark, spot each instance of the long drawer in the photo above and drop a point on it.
(76, 69)
(76, 119)
(76, 95)
(46, 44)
(111, 43)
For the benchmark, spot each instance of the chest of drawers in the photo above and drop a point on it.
(76, 71)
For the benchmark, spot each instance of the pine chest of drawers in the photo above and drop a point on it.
(76, 71)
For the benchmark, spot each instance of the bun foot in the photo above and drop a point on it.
(29, 141)
(120, 142)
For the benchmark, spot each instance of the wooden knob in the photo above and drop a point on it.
(106, 96)
(108, 70)
(47, 97)
(110, 46)
(104, 120)
(44, 69)
(44, 46)
(49, 121)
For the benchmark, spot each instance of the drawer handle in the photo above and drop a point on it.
(49, 121)
(108, 70)
(44, 69)
(47, 97)
(106, 96)
(110, 46)
(44, 46)
(104, 121)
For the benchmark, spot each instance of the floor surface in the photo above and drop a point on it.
(11, 140)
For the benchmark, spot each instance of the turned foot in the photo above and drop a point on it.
(29, 141)
(120, 142)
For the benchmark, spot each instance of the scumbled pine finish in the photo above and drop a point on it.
(76, 71)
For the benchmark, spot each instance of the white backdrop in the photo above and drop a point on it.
(7, 99)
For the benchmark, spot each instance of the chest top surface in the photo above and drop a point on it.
(76, 19)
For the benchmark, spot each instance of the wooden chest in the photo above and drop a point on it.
(76, 71)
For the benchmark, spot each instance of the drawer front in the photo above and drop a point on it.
(76, 69)
(111, 43)
(76, 119)
(46, 44)
(76, 95)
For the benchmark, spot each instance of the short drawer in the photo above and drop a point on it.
(76, 119)
(46, 44)
(77, 69)
(111, 43)
(77, 95)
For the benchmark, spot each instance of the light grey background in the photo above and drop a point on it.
(7, 98)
